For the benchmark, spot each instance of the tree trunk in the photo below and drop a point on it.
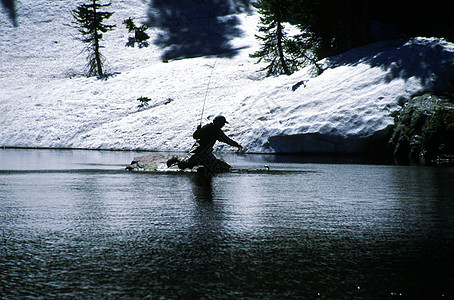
(97, 54)
(279, 41)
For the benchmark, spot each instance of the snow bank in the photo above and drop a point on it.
(45, 103)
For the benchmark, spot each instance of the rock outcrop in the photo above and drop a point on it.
(424, 130)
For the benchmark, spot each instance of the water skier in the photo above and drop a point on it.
(201, 153)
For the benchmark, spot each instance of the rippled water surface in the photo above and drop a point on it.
(75, 224)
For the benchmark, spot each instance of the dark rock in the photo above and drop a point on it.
(424, 130)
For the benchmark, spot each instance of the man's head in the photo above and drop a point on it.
(219, 121)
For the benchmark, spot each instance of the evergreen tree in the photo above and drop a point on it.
(274, 42)
(89, 21)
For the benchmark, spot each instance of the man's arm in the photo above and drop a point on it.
(225, 139)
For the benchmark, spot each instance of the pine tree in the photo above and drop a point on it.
(274, 41)
(283, 54)
(89, 21)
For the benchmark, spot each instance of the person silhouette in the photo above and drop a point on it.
(201, 153)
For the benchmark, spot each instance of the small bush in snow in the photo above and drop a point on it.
(143, 101)
(140, 37)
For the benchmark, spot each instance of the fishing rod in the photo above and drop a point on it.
(206, 92)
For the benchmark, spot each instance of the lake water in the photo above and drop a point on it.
(75, 224)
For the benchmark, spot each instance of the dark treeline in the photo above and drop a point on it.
(330, 27)
(340, 25)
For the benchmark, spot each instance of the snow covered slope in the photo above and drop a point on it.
(45, 102)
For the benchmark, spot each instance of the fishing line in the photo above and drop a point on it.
(206, 92)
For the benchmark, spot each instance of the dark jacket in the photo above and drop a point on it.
(207, 136)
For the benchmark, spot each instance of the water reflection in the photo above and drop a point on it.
(202, 187)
